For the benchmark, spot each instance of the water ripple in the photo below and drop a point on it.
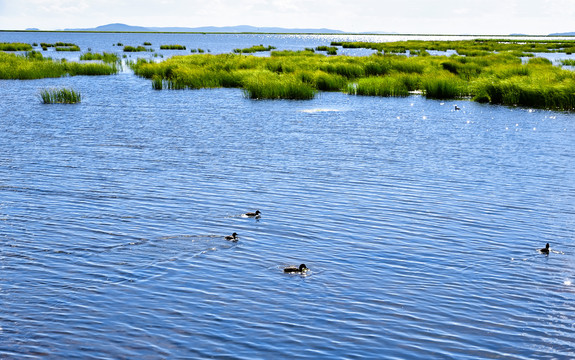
(421, 234)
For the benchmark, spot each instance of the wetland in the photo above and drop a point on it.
(417, 186)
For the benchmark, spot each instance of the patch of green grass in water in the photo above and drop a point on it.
(129, 48)
(15, 47)
(105, 57)
(253, 49)
(60, 96)
(331, 50)
(172, 47)
(498, 78)
(568, 62)
(33, 65)
(267, 85)
(67, 48)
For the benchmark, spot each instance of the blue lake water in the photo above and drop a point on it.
(420, 224)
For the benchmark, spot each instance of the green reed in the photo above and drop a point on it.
(157, 82)
(328, 82)
(378, 86)
(267, 85)
(67, 48)
(57, 44)
(444, 87)
(105, 57)
(476, 47)
(500, 78)
(33, 65)
(544, 86)
(331, 50)
(253, 49)
(15, 47)
(129, 48)
(60, 96)
(172, 47)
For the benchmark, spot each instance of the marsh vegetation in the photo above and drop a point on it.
(33, 65)
(331, 50)
(477, 47)
(490, 72)
(253, 49)
(493, 71)
(129, 48)
(60, 96)
(15, 47)
(172, 47)
(105, 57)
(60, 46)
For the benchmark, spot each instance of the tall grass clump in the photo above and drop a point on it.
(15, 47)
(346, 69)
(89, 69)
(60, 96)
(469, 48)
(286, 53)
(172, 47)
(253, 49)
(105, 57)
(568, 62)
(33, 65)
(129, 48)
(499, 78)
(60, 46)
(548, 91)
(67, 48)
(272, 86)
(443, 87)
(329, 82)
(379, 86)
(377, 67)
(157, 82)
(331, 50)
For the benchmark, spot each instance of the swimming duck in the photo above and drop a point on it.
(545, 250)
(457, 107)
(295, 270)
(253, 214)
(232, 237)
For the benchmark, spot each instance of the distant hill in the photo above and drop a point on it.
(563, 34)
(118, 27)
(226, 29)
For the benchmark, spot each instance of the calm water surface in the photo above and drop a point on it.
(420, 225)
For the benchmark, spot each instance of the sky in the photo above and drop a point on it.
(485, 17)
